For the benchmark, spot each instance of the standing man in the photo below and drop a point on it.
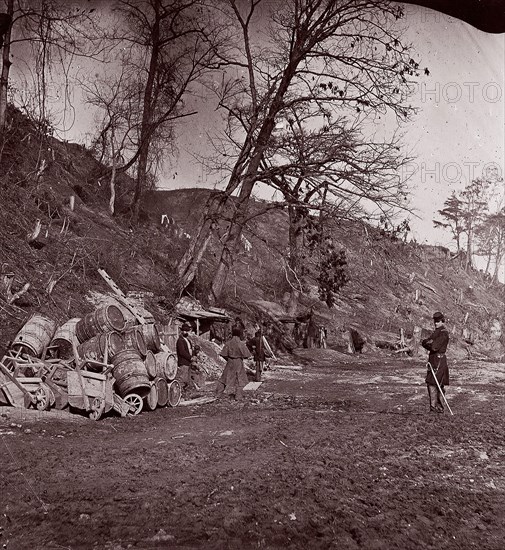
(234, 377)
(257, 347)
(311, 332)
(436, 344)
(184, 355)
(239, 325)
(323, 333)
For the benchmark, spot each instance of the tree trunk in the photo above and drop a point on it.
(112, 199)
(6, 65)
(469, 249)
(147, 114)
(497, 266)
(233, 238)
(188, 265)
(296, 217)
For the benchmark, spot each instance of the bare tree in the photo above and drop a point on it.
(55, 32)
(6, 32)
(116, 97)
(166, 44)
(319, 55)
(334, 170)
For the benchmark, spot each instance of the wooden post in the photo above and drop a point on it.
(416, 340)
(350, 343)
(402, 338)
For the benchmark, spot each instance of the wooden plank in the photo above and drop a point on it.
(252, 386)
(14, 395)
(87, 374)
(108, 279)
(121, 297)
(268, 348)
(14, 380)
(78, 366)
(132, 309)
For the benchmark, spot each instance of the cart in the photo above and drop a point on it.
(24, 391)
(91, 392)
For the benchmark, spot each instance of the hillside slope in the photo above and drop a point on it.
(393, 285)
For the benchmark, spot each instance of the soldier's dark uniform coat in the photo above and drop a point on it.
(436, 344)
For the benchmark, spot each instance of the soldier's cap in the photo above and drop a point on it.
(438, 316)
(186, 327)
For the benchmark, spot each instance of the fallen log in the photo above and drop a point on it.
(287, 367)
(428, 287)
(197, 401)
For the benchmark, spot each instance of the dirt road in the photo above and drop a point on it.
(340, 455)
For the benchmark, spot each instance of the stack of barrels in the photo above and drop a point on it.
(140, 366)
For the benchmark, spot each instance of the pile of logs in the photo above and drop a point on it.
(105, 361)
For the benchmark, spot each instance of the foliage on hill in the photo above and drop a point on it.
(392, 284)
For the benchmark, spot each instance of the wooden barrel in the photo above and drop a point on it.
(174, 393)
(150, 363)
(151, 398)
(166, 365)
(95, 347)
(162, 386)
(130, 373)
(151, 336)
(133, 339)
(35, 335)
(105, 318)
(63, 338)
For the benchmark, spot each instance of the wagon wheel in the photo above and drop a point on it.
(135, 403)
(97, 408)
(43, 398)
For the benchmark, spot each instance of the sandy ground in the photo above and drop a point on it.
(341, 454)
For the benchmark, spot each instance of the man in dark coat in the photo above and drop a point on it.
(436, 344)
(311, 332)
(257, 347)
(239, 325)
(184, 350)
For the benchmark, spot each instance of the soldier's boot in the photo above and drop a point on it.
(432, 392)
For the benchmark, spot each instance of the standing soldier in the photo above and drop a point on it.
(436, 344)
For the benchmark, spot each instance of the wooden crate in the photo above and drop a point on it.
(83, 386)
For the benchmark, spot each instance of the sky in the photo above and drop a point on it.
(457, 135)
(459, 132)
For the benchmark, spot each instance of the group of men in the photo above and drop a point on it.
(235, 350)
